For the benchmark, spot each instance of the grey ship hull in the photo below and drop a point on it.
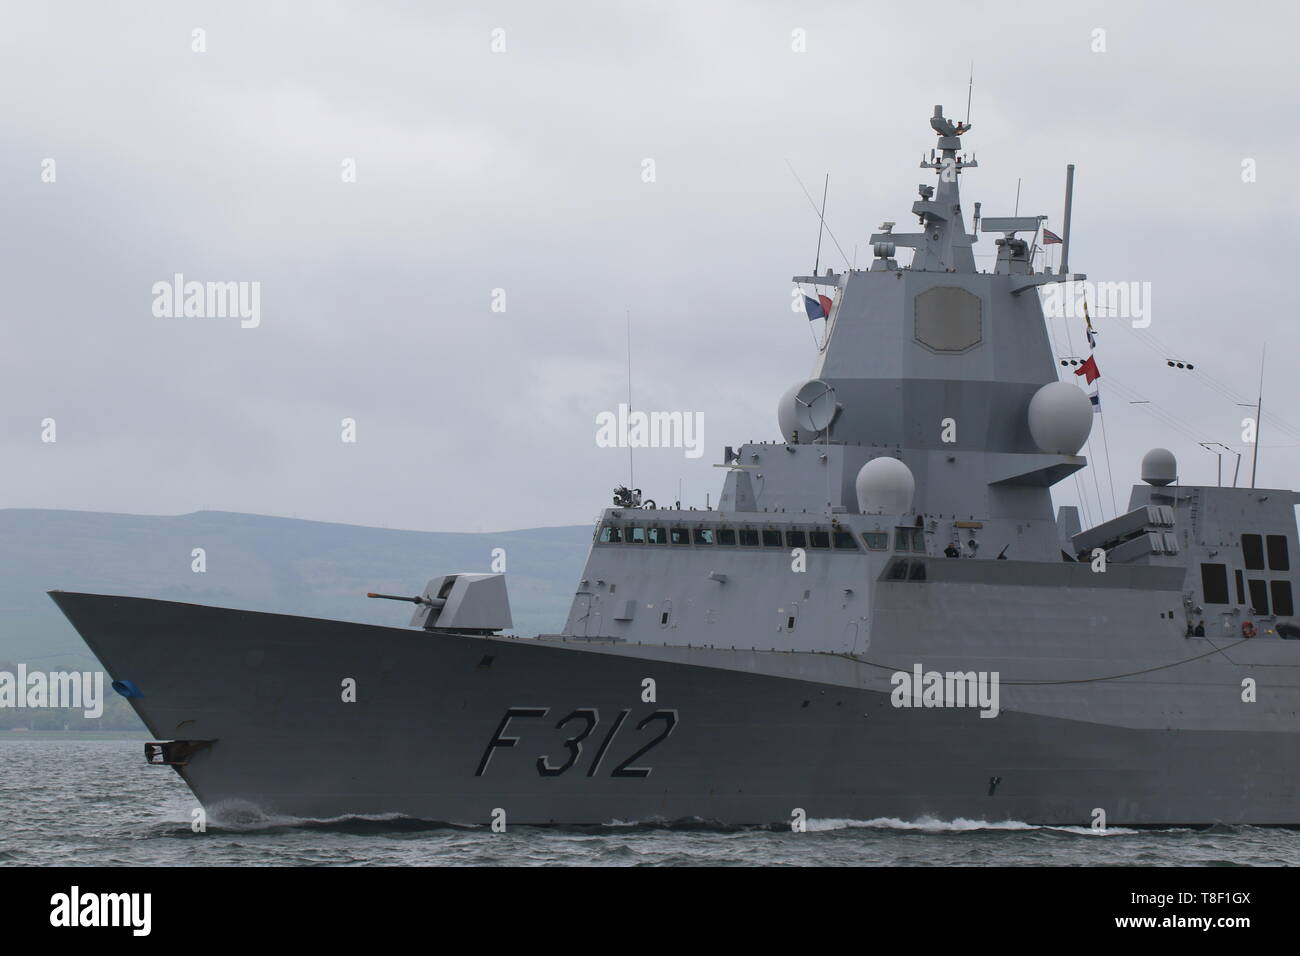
(735, 737)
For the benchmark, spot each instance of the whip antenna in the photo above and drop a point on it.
(969, 88)
(631, 475)
(822, 225)
(1259, 416)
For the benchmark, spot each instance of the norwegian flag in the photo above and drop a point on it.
(1050, 238)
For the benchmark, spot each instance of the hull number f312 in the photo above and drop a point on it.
(581, 724)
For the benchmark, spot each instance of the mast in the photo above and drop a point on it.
(1065, 227)
(942, 245)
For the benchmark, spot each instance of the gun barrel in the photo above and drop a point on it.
(435, 603)
(395, 597)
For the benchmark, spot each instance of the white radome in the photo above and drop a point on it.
(885, 487)
(1060, 418)
(1159, 467)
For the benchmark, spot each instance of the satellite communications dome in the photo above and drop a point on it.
(885, 487)
(1159, 467)
(1060, 418)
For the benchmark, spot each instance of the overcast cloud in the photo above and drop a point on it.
(522, 170)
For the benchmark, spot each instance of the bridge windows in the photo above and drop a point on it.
(903, 570)
(909, 539)
(1282, 605)
(876, 540)
(1252, 551)
(1278, 559)
(1259, 595)
(1241, 587)
(1255, 548)
(835, 538)
(1214, 583)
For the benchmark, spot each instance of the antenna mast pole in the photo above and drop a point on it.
(1065, 227)
(631, 475)
(969, 89)
(1259, 416)
(821, 225)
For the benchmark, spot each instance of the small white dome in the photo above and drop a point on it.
(1060, 418)
(1159, 467)
(885, 487)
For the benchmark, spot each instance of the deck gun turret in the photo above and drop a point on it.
(464, 603)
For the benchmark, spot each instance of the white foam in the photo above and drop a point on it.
(928, 824)
(241, 815)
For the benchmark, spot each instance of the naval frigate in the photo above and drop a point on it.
(882, 618)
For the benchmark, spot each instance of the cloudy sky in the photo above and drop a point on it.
(521, 170)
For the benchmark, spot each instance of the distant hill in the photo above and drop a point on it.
(259, 563)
